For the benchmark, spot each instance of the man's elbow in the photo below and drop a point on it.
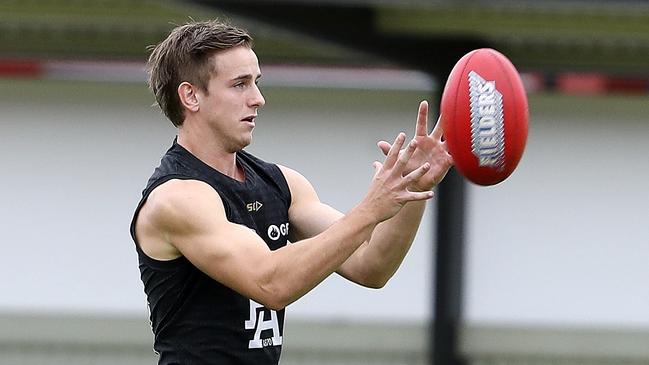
(274, 298)
(275, 305)
(376, 283)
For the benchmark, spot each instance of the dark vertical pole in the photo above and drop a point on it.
(449, 259)
(449, 245)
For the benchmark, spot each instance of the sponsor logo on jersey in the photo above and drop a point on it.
(275, 232)
(254, 206)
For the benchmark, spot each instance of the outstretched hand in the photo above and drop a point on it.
(429, 149)
(390, 188)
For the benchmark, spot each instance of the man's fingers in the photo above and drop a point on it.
(422, 120)
(393, 153)
(419, 195)
(438, 131)
(416, 174)
(384, 147)
(407, 153)
(377, 167)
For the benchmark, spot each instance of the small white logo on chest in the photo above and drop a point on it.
(254, 207)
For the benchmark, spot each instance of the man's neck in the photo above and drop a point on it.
(211, 152)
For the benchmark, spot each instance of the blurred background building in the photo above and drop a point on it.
(555, 257)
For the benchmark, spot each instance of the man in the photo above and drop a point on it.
(212, 228)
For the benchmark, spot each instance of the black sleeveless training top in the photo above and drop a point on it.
(195, 319)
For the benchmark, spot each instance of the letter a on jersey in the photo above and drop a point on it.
(259, 324)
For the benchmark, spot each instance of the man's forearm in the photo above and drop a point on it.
(374, 263)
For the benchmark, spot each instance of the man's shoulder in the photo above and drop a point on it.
(178, 200)
(176, 208)
(292, 176)
(181, 190)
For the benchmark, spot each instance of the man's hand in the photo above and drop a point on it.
(430, 148)
(390, 188)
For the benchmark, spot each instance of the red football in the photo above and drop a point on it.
(484, 114)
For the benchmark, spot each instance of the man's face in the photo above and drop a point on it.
(233, 99)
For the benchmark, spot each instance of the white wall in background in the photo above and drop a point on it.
(76, 157)
(563, 240)
(566, 239)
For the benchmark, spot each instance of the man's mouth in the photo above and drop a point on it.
(249, 119)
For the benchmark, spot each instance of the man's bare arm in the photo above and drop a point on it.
(376, 260)
(188, 216)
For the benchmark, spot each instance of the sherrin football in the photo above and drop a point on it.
(484, 113)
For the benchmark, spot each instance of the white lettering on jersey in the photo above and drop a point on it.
(259, 324)
(275, 232)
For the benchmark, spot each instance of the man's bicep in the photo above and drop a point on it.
(194, 221)
(311, 219)
(307, 214)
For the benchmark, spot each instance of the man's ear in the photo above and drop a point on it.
(188, 97)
